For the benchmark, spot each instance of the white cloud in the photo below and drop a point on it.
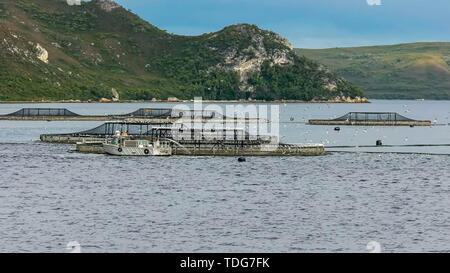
(374, 2)
(74, 2)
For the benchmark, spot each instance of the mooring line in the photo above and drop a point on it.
(352, 126)
(381, 146)
(385, 152)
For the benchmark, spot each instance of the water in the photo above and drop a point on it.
(333, 203)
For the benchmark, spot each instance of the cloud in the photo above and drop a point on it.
(374, 2)
(74, 2)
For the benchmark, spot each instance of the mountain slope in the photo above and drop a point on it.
(413, 71)
(50, 50)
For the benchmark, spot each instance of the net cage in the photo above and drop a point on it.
(110, 129)
(195, 113)
(372, 116)
(147, 112)
(48, 112)
(175, 113)
(140, 113)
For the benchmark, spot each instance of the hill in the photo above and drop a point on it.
(405, 71)
(51, 50)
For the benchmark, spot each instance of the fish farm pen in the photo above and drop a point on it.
(106, 130)
(157, 115)
(157, 124)
(225, 142)
(371, 119)
(185, 141)
(136, 128)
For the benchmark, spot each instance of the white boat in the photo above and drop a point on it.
(121, 146)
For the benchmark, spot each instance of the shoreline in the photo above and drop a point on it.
(182, 101)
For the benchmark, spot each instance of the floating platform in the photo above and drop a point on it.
(225, 149)
(371, 119)
(187, 142)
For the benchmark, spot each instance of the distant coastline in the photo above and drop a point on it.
(187, 101)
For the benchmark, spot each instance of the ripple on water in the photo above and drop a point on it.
(338, 202)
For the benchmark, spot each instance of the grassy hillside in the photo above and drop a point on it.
(419, 70)
(52, 51)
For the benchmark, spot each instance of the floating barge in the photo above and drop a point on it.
(226, 149)
(371, 119)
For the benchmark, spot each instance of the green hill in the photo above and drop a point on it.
(50, 50)
(409, 71)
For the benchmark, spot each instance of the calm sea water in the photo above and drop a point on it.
(399, 197)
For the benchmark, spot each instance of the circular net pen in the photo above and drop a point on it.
(373, 116)
(172, 113)
(371, 119)
(110, 128)
(150, 113)
(43, 112)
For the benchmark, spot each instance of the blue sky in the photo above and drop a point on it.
(307, 23)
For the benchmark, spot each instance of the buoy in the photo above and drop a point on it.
(379, 143)
(241, 159)
(411, 126)
(337, 128)
(292, 119)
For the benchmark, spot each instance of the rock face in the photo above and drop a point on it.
(108, 5)
(262, 47)
(115, 94)
(249, 60)
(42, 53)
(74, 2)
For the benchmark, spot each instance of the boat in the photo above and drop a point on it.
(122, 145)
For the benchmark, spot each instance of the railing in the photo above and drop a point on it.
(373, 116)
(46, 112)
(140, 113)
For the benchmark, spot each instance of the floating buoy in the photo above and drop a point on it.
(337, 128)
(292, 118)
(241, 159)
(379, 143)
(412, 126)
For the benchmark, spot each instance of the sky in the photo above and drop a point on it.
(307, 23)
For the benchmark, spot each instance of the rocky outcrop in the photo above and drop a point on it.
(248, 61)
(108, 5)
(41, 53)
(264, 46)
(344, 99)
(74, 2)
(115, 94)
